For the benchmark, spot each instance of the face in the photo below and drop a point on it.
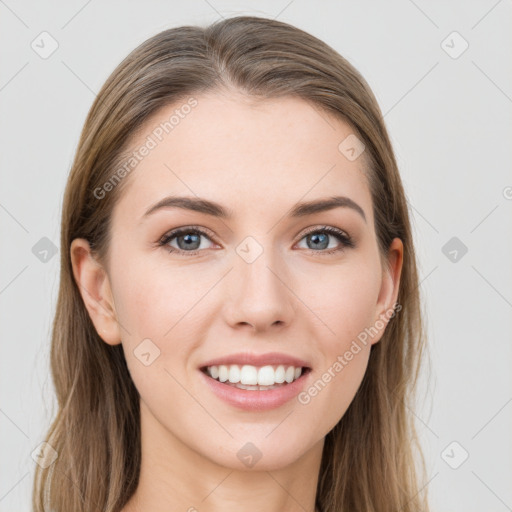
(261, 286)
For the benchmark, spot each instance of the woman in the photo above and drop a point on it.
(238, 322)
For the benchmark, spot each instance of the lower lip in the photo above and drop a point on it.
(256, 400)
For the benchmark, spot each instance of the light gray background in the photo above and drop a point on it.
(450, 123)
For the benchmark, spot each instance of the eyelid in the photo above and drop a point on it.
(325, 227)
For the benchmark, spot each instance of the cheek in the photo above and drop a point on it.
(344, 299)
(160, 304)
(152, 298)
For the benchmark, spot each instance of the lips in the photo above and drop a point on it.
(270, 358)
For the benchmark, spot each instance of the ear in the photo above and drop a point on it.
(94, 286)
(390, 285)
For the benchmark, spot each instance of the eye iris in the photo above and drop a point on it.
(314, 238)
(187, 239)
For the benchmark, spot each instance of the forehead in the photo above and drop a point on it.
(245, 153)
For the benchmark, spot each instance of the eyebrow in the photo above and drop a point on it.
(215, 209)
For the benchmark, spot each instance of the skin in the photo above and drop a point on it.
(257, 158)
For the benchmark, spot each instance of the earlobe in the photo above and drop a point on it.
(93, 282)
(390, 286)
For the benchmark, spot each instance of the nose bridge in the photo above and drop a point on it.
(258, 294)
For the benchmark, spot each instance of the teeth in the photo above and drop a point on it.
(253, 376)
(223, 373)
(214, 371)
(234, 374)
(248, 374)
(279, 374)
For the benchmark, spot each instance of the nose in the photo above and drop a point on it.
(259, 294)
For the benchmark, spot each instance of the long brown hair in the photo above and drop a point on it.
(369, 461)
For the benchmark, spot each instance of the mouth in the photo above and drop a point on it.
(255, 378)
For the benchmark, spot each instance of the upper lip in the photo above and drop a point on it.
(270, 358)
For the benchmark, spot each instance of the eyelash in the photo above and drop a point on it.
(341, 236)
